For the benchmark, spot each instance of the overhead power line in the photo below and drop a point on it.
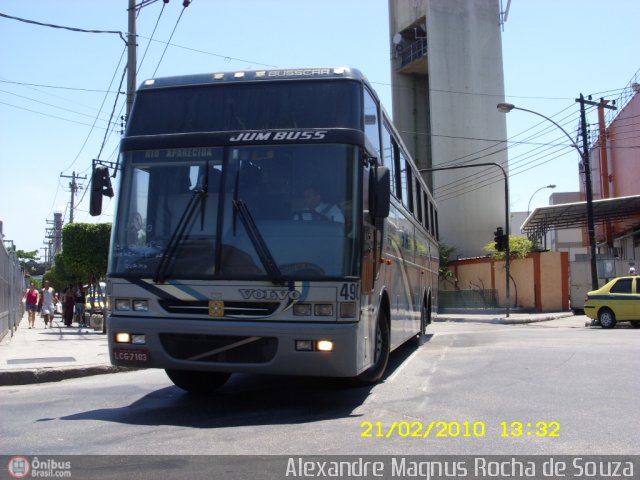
(184, 7)
(72, 29)
(77, 89)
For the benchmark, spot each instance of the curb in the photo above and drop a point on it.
(45, 375)
(502, 319)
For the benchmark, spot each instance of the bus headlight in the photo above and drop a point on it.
(324, 346)
(323, 310)
(122, 304)
(123, 337)
(304, 345)
(138, 339)
(302, 309)
(132, 338)
(314, 345)
(140, 305)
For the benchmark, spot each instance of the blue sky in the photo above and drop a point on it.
(54, 84)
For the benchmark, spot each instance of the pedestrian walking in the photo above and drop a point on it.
(48, 302)
(68, 304)
(30, 300)
(80, 301)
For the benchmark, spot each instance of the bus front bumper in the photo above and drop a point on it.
(236, 346)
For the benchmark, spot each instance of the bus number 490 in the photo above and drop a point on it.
(349, 291)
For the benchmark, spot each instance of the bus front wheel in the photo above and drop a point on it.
(197, 382)
(381, 353)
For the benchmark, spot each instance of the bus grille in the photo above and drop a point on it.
(231, 309)
(219, 348)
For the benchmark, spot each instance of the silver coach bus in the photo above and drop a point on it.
(267, 222)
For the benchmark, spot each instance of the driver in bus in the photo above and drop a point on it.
(315, 208)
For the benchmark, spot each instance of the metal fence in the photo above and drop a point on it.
(468, 299)
(12, 287)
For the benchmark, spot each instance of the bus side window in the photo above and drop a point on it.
(435, 226)
(426, 211)
(389, 156)
(410, 203)
(419, 201)
(404, 179)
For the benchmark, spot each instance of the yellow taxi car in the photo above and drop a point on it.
(616, 301)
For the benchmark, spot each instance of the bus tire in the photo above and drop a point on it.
(197, 382)
(421, 337)
(381, 353)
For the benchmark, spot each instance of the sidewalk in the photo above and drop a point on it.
(41, 355)
(37, 355)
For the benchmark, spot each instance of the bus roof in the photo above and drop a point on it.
(255, 76)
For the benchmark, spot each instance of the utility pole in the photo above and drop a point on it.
(132, 46)
(131, 55)
(74, 189)
(591, 229)
(54, 234)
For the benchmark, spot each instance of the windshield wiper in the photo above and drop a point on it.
(179, 234)
(266, 258)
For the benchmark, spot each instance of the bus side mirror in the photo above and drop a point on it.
(380, 192)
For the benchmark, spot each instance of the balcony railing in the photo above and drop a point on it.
(413, 52)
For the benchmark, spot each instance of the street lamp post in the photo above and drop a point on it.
(541, 188)
(544, 242)
(584, 156)
(507, 250)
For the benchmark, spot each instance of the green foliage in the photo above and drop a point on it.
(22, 255)
(58, 276)
(85, 249)
(445, 252)
(28, 260)
(519, 247)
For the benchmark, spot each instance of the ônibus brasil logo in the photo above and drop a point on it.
(19, 467)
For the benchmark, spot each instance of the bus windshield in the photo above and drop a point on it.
(277, 212)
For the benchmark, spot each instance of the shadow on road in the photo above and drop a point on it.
(249, 400)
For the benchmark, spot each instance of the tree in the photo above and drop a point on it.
(28, 260)
(445, 252)
(86, 249)
(518, 246)
(58, 276)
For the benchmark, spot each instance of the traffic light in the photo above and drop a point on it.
(500, 239)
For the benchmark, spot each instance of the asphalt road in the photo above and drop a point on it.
(459, 393)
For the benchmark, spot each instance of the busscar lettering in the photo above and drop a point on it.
(305, 72)
(279, 135)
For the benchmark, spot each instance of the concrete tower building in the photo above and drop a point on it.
(447, 78)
